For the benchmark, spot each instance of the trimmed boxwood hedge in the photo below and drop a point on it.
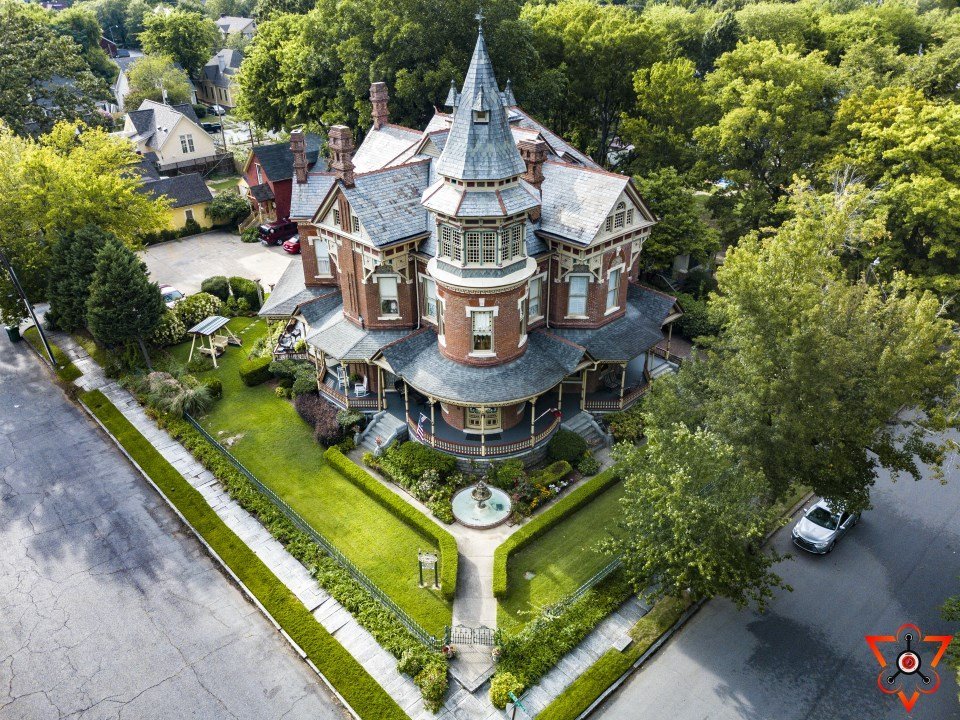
(350, 679)
(406, 512)
(256, 370)
(545, 521)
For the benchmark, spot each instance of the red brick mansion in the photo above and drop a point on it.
(475, 280)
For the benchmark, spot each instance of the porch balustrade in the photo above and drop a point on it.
(485, 449)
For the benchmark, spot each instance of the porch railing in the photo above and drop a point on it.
(486, 449)
(617, 403)
(368, 402)
(668, 356)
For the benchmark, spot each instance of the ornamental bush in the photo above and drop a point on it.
(566, 445)
(304, 385)
(214, 386)
(244, 289)
(217, 285)
(255, 371)
(501, 686)
(432, 681)
(627, 425)
(311, 407)
(228, 208)
(351, 418)
(413, 660)
(250, 235)
(194, 308)
(169, 331)
(414, 459)
(327, 431)
(588, 464)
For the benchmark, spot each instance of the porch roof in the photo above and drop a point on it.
(341, 339)
(546, 362)
(626, 338)
(290, 292)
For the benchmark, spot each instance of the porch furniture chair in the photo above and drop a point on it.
(360, 389)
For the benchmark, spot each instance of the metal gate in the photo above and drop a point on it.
(464, 635)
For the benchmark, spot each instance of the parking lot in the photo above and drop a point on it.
(187, 262)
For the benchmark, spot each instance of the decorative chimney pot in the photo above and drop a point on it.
(298, 147)
(341, 153)
(378, 99)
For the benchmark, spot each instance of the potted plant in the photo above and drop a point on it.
(449, 651)
(495, 653)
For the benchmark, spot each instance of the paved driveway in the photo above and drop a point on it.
(108, 608)
(187, 262)
(807, 658)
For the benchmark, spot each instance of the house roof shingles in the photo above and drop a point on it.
(387, 202)
(290, 293)
(577, 200)
(183, 190)
(276, 159)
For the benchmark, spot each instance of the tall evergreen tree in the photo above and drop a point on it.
(73, 262)
(124, 306)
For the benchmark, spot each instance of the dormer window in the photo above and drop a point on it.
(621, 217)
(481, 117)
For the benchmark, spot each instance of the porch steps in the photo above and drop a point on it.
(385, 426)
(664, 368)
(586, 427)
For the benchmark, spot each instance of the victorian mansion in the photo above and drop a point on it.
(476, 280)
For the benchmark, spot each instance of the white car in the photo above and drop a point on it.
(171, 296)
(218, 110)
(821, 527)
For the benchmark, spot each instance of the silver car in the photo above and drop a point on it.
(820, 528)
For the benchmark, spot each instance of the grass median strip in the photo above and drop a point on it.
(65, 369)
(350, 679)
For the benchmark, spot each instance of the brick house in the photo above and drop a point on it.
(268, 176)
(476, 280)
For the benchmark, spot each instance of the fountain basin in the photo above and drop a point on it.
(493, 511)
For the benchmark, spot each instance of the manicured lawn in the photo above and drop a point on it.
(267, 435)
(65, 369)
(221, 184)
(561, 560)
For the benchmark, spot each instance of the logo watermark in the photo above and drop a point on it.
(907, 666)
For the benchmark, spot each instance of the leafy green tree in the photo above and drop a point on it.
(45, 75)
(680, 30)
(136, 15)
(670, 105)
(937, 71)
(870, 63)
(73, 261)
(681, 229)
(188, 37)
(237, 8)
(80, 23)
(890, 23)
(112, 17)
(796, 24)
(270, 9)
(150, 75)
(909, 147)
(124, 306)
(228, 208)
(720, 38)
(694, 519)
(775, 107)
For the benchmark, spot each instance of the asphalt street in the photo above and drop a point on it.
(806, 658)
(109, 608)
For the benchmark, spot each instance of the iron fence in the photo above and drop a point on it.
(412, 625)
(597, 577)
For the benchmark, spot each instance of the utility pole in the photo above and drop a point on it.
(23, 298)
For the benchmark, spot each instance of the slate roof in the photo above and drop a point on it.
(449, 199)
(547, 360)
(341, 339)
(183, 190)
(231, 64)
(626, 338)
(558, 145)
(261, 192)
(305, 198)
(388, 202)
(276, 159)
(382, 146)
(232, 24)
(291, 292)
(480, 151)
(153, 121)
(577, 200)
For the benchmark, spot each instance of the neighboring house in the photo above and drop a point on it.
(231, 25)
(216, 85)
(268, 176)
(189, 196)
(477, 280)
(108, 46)
(121, 86)
(173, 133)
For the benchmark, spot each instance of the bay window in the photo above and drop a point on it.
(577, 296)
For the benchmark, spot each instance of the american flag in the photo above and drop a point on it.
(420, 433)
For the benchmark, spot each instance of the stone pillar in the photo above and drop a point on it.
(298, 147)
(340, 141)
(380, 109)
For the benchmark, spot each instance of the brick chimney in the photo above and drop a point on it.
(378, 98)
(340, 141)
(534, 154)
(298, 147)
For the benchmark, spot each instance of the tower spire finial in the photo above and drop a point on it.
(479, 18)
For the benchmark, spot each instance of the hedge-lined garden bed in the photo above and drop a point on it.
(340, 668)
(65, 369)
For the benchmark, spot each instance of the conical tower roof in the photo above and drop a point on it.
(482, 150)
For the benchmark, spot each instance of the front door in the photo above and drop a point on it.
(485, 419)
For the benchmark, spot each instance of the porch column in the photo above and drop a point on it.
(583, 389)
(669, 336)
(406, 404)
(483, 432)
(322, 367)
(533, 419)
(560, 396)
(623, 384)
(646, 362)
(433, 425)
(381, 395)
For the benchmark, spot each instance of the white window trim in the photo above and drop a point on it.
(441, 321)
(317, 242)
(524, 314)
(496, 312)
(398, 278)
(621, 268)
(575, 316)
(542, 277)
(424, 279)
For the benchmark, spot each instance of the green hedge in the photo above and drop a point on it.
(340, 668)
(256, 370)
(406, 512)
(545, 521)
(579, 695)
(65, 369)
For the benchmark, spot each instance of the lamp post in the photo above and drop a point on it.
(23, 298)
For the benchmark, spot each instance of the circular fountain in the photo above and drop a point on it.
(480, 506)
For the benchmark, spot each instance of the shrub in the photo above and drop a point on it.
(200, 110)
(292, 369)
(169, 331)
(312, 407)
(432, 681)
(588, 464)
(326, 429)
(413, 660)
(228, 208)
(304, 385)
(194, 308)
(199, 364)
(539, 525)
(176, 396)
(346, 445)
(697, 319)
(414, 459)
(281, 392)
(406, 512)
(255, 371)
(218, 285)
(191, 227)
(627, 425)
(500, 688)
(566, 445)
(215, 386)
(351, 418)
(250, 235)
(244, 289)
(442, 511)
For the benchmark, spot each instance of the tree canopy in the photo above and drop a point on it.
(151, 75)
(190, 38)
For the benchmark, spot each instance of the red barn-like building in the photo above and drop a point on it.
(268, 175)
